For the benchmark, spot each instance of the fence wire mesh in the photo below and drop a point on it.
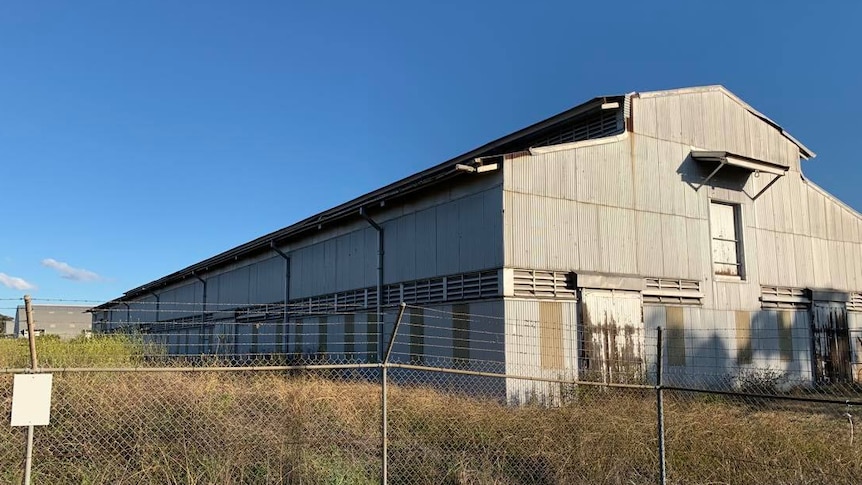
(471, 396)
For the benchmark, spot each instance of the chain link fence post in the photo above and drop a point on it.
(31, 336)
(384, 378)
(660, 409)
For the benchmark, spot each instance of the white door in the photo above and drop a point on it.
(612, 336)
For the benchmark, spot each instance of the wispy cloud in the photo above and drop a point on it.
(16, 283)
(70, 272)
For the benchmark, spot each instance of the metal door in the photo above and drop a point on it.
(612, 336)
(830, 343)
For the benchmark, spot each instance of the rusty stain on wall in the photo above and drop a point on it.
(551, 334)
(675, 336)
(613, 338)
(831, 341)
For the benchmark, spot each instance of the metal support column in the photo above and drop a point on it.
(31, 336)
(286, 317)
(384, 479)
(380, 326)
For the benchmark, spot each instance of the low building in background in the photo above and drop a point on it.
(8, 325)
(66, 321)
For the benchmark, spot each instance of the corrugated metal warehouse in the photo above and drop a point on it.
(685, 209)
(65, 321)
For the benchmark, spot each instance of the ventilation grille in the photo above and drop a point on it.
(544, 284)
(259, 313)
(855, 302)
(467, 286)
(784, 297)
(600, 125)
(672, 291)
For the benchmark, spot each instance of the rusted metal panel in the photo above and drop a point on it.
(675, 336)
(551, 335)
(613, 336)
(831, 343)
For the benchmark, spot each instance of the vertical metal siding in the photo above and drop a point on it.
(644, 110)
(613, 336)
(692, 119)
(523, 344)
(649, 243)
(646, 175)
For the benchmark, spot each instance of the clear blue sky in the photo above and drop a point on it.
(137, 138)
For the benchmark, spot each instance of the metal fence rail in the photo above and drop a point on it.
(447, 400)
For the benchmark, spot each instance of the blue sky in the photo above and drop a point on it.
(137, 138)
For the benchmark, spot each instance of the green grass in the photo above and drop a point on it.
(98, 351)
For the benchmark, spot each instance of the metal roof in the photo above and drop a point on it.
(440, 173)
(519, 140)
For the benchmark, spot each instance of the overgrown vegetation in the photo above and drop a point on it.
(96, 351)
(243, 427)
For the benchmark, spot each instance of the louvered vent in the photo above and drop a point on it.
(668, 291)
(467, 286)
(784, 297)
(855, 303)
(543, 284)
(600, 125)
(259, 313)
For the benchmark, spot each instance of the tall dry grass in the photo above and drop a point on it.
(249, 428)
(243, 427)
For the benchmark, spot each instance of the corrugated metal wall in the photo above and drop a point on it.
(630, 205)
(720, 347)
(541, 341)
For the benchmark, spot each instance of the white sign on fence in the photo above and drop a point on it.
(31, 399)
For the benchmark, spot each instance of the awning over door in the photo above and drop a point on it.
(726, 158)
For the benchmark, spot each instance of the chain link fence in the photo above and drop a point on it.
(444, 398)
